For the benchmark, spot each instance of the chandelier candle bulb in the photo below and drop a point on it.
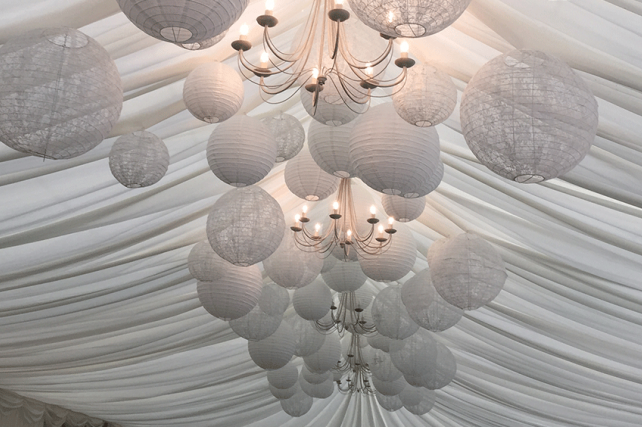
(335, 211)
(404, 48)
(264, 60)
(391, 223)
(269, 7)
(244, 31)
(304, 211)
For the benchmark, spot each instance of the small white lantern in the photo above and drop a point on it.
(288, 133)
(213, 92)
(204, 264)
(390, 315)
(306, 180)
(275, 351)
(233, 295)
(312, 302)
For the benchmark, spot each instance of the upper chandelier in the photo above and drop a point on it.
(323, 59)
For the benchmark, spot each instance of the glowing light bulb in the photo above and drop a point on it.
(335, 206)
(244, 31)
(297, 218)
(373, 210)
(369, 70)
(264, 59)
(315, 75)
(269, 5)
(338, 2)
(349, 234)
(391, 16)
(391, 222)
(381, 229)
(305, 209)
(404, 47)
(317, 227)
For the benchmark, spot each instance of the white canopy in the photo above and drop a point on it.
(99, 314)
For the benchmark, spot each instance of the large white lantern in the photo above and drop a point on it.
(345, 277)
(288, 133)
(417, 400)
(298, 405)
(204, 264)
(245, 226)
(427, 98)
(314, 377)
(213, 92)
(320, 391)
(389, 388)
(274, 299)
(306, 180)
(405, 167)
(312, 302)
(528, 117)
(285, 393)
(327, 356)
(307, 340)
(390, 315)
(389, 403)
(382, 367)
(183, 21)
(440, 369)
(380, 342)
(403, 209)
(233, 295)
(60, 93)
(333, 108)
(291, 267)
(255, 325)
(395, 261)
(417, 18)
(138, 159)
(426, 307)
(416, 354)
(275, 351)
(466, 270)
(329, 148)
(241, 151)
(284, 377)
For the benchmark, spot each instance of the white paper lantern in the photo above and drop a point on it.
(382, 367)
(60, 93)
(328, 264)
(467, 271)
(320, 391)
(306, 180)
(298, 405)
(364, 296)
(213, 92)
(292, 267)
(528, 117)
(183, 21)
(314, 377)
(390, 315)
(389, 403)
(283, 378)
(380, 342)
(204, 264)
(397, 259)
(427, 98)
(288, 133)
(327, 356)
(312, 302)
(426, 307)
(417, 400)
(138, 159)
(332, 108)
(245, 226)
(389, 388)
(329, 148)
(440, 368)
(419, 18)
(403, 209)
(405, 167)
(415, 354)
(307, 340)
(255, 325)
(285, 393)
(345, 277)
(274, 299)
(202, 45)
(233, 295)
(275, 351)
(241, 151)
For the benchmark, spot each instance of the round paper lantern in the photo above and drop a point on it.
(291, 267)
(405, 167)
(390, 315)
(345, 277)
(315, 378)
(283, 378)
(241, 151)
(274, 300)
(329, 148)
(345, 254)
(308, 181)
(245, 226)
(380, 342)
(233, 295)
(307, 340)
(213, 92)
(382, 367)
(61, 93)
(256, 325)
(202, 45)
(417, 400)
(528, 117)
(138, 159)
(312, 302)
(183, 21)
(327, 356)
(204, 264)
(419, 18)
(428, 97)
(285, 393)
(417, 355)
(298, 405)
(440, 368)
(320, 391)
(389, 403)
(389, 388)
(397, 259)
(363, 296)
(403, 209)
(288, 133)
(467, 271)
(275, 351)
(426, 307)
(328, 264)
(333, 108)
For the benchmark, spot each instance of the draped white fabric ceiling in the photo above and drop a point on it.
(98, 312)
